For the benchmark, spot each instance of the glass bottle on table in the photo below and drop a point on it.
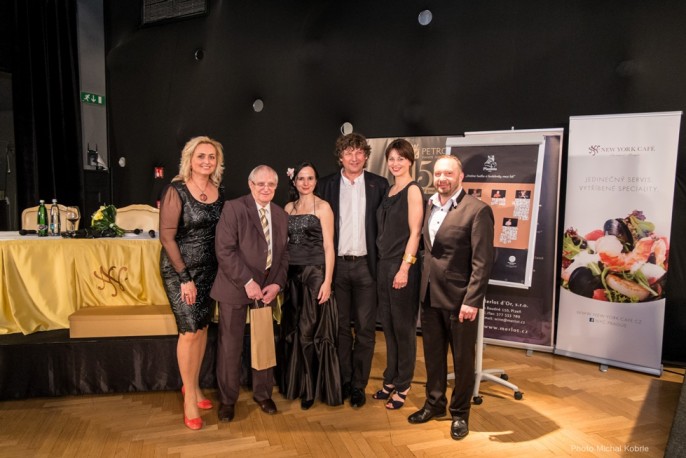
(55, 220)
(42, 223)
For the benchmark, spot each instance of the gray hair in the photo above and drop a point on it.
(260, 168)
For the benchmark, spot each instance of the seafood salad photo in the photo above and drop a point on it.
(625, 261)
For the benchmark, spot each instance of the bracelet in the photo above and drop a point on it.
(408, 258)
(184, 276)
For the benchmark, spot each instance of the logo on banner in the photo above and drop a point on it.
(415, 148)
(490, 165)
(512, 262)
(595, 150)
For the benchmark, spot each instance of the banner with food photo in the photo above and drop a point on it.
(615, 247)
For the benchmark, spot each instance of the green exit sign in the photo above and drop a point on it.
(95, 99)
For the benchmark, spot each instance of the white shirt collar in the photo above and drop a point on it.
(346, 180)
(452, 202)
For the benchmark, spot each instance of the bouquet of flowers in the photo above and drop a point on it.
(103, 222)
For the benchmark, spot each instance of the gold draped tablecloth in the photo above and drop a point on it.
(43, 280)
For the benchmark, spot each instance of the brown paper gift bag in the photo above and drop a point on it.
(262, 352)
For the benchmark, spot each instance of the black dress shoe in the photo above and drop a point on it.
(225, 412)
(357, 397)
(267, 406)
(346, 390)
(423, 415)
(459, 429)
(306, 404)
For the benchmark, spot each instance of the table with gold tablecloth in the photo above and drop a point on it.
(43, 280)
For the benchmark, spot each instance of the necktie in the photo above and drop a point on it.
(265, 228)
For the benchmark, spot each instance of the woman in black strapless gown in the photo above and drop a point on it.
(189, 210)
(309, 315)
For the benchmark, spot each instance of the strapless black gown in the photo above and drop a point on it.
(195, 238)
(310, 369)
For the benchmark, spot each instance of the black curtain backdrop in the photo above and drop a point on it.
(47, 115)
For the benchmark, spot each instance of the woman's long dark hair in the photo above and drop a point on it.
(293, 194)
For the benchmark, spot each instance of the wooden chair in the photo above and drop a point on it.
(138, 216)
(29, 218)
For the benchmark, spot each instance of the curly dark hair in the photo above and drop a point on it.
(293, 194)
(353, 140)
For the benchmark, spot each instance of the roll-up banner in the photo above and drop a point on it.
(517, 173)
(615, 248)
(506, 174)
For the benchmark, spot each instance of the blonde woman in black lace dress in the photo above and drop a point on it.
(189, 210)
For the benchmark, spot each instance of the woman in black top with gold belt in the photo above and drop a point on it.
(399, 219)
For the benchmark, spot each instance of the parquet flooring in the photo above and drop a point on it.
(570, 408)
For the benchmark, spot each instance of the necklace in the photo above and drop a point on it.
(203, 196)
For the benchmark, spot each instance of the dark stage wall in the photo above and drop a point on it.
(316, 64)
(478, 66)
(486, 65)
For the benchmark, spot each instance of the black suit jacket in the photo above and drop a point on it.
(375, 187)
(458, 265)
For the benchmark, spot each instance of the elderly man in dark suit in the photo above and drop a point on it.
(354, 195)
(251, 239)
(458, 256)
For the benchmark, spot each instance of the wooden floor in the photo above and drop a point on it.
(569, 408)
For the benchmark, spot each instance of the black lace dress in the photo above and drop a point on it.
(194, 237)
(308, 329)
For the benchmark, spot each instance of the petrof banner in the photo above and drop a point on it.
(620, 189)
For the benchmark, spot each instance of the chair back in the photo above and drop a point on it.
(138, 216)
(29, 218)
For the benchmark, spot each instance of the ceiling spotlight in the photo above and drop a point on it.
(425, 17)
(258, 105)
(346, 128)
(199, 54)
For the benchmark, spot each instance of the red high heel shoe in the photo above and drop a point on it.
(205, 404)
(192, 423)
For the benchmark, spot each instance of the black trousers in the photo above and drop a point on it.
(398, 315)
(229, 351)
(441, 328)
(356, 298)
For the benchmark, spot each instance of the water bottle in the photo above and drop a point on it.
(42, 228)
(55, 220)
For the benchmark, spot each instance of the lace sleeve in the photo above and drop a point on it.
(170, 215)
